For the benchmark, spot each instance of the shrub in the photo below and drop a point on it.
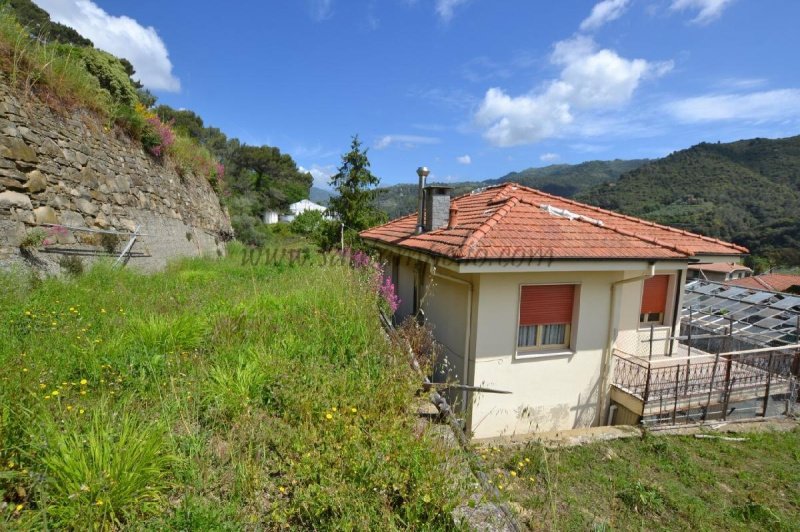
(642, 498)
(33, 238)
(105, 474)
(109, 242)
(71, 264)
(110, 74)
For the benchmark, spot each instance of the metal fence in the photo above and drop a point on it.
(752, 383)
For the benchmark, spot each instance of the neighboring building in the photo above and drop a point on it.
(773, 282)
(273, 217)
(531, 293)
(270, 217)
(718, 271)
(302, 206)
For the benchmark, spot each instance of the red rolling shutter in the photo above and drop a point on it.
(654, 296)
(545, 304)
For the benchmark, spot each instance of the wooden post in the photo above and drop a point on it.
(769, 381)
(727, 390)
(711, 386)
(677, 384)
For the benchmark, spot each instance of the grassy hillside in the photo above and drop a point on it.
(562, 179)
(213, 396)
(656, 483)
(746, 191)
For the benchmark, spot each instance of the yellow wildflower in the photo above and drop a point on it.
(54, 393)
(19, 508)
(513, 473)
(69, 407)
(102, 311)
(24, 370)
(328, 416)
(282, 489)
(354, 410)
(42, 385)
(81, 411)
(83, 392)
(84, 382)
(99, 502)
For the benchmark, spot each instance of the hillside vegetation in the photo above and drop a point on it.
(51, 62)
(565, 180)
(747, 192)
(217, 395)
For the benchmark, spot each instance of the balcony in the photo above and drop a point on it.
(693, 385)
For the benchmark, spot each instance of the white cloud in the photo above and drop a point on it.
(464, 159)
(406, 141)
(591, 80)
(707, 10)
(781, 104)
(549, 157)
(321, 174)
(121, 36)
(604, 12)
(445, 8)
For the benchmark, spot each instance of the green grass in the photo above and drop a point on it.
(212, 396)
(656, 483)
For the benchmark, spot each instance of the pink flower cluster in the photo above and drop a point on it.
(53, 234)
(165, 134)
(382, 285)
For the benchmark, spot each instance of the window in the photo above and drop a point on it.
(545, 316)
(654, 300)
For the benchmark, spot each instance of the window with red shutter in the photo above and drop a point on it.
(654, 300)
(545, 315)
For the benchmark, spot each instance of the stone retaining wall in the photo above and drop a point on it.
(72, 170)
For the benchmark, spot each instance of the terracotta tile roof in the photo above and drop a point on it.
(774, 282)
(511, 221)
(722, 267)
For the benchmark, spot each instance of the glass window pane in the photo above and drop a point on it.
(554, 334)
(527, 335)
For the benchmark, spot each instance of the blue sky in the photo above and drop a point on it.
(471, 88)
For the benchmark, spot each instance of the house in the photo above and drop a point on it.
(718, 271)
(531, 294)
(270, 217)
(273, 217)
(302, 206)
(773, 282)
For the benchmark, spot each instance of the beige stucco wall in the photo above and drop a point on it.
(561, 390)
(549, 391)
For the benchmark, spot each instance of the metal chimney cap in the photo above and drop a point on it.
(423, 171)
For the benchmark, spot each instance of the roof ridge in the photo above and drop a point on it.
(487, 226)
(635, 219)
(618, 230)
(765, 284)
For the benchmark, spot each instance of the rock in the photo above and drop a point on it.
(37, 182)
(72, 218)
(50, 148)
(101, 221)
(23, 215)
(86, 206)
(45, 215)
(15, 199)
(16, 149)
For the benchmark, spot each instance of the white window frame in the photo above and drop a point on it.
(666, 316)
(548, 350)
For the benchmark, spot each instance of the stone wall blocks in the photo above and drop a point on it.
(15, 199)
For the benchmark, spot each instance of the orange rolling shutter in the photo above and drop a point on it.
(545, 304)
(654, 296)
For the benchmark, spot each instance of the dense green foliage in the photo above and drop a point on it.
(38, 22)
(747, 192)
(656, 483)
(564, 180)
(354, 185)
(254, 392)
(257, 178)
(112, 74)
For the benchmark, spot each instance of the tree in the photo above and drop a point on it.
(355, 185)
